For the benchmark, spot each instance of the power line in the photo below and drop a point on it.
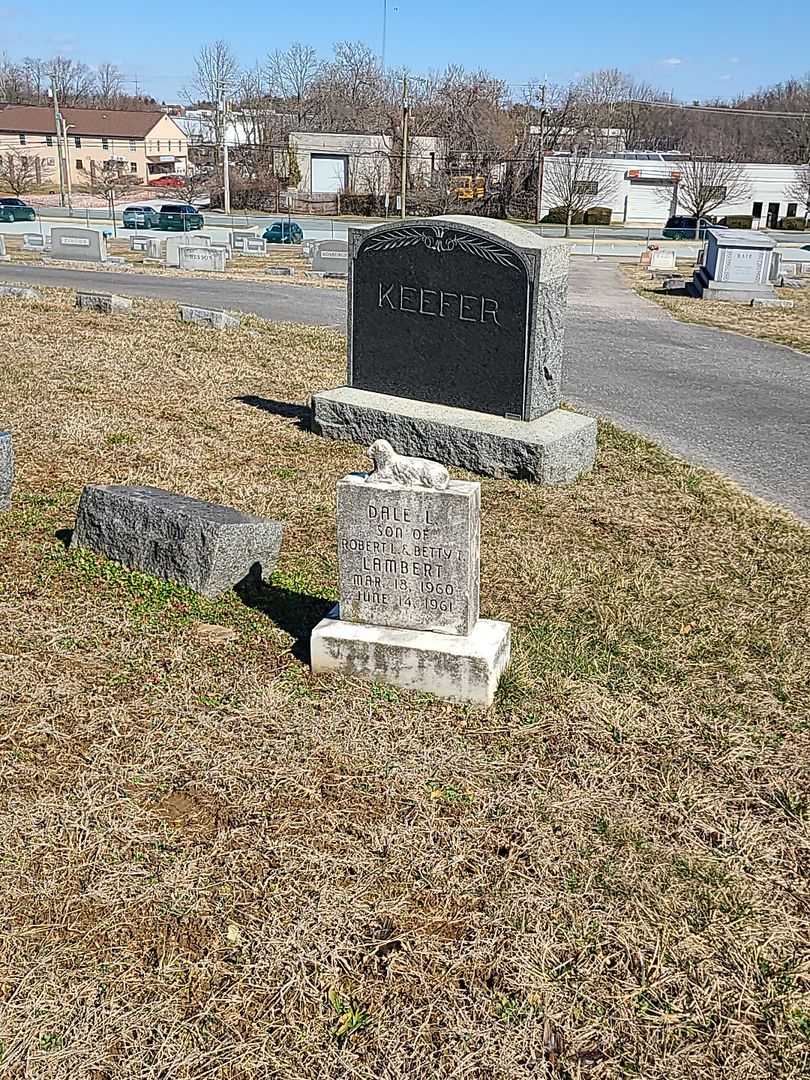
(725, 110)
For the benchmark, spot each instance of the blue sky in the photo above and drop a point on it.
(739, 45)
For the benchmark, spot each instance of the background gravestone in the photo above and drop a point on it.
(201, 258)
(455, 349)
(331, 257)
(3, 254)
(78, 245)
(736, 266)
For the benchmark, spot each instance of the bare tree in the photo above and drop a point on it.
(291, 75)
(705, 184)
(577, 183)
(75, 82)
(800, 188)
(216, 71)
(18, 172)
(109, 86)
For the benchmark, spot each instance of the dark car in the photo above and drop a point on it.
(16, 210)
(181, 217)
(141, 217)
(686, 228)
(284, 232)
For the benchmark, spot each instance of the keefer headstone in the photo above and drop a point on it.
(331, 257)
(202, 258)
(455, 329)
(218, 320)
(202, 545)
(79, 245)
(106, 303)
(736, 266)
(408, 561)
(6, 470)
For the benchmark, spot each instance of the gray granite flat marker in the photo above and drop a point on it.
(78, 245)
(200, 258)
(6, 469)
(455, 331)
(205, 546)
(279, 271)
(408, 560)
(35, 242)
(772, 302)
(106, 303)
(19, 292)
(217, 320)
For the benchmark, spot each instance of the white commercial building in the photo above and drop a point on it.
(330, 162)
(643, 189)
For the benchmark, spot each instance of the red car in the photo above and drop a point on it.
(169, 180)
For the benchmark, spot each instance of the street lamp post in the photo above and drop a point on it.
(57, 123)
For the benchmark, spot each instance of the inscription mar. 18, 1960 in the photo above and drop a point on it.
(409, 557)
(441, 315)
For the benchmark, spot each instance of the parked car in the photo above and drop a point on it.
(16, 210)
(685, 228)
(169, 180)
(182, 217)
(284, 232)
(141, 217)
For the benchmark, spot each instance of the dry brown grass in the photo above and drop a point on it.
(216, 866)
(784, 326)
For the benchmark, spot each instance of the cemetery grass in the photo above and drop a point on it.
(782, 325)
(213, 865)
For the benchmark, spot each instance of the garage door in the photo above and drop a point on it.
(328, 172)
(650, 201)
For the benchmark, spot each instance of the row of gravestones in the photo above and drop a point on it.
(455, 347)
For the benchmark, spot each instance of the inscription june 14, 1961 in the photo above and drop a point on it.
(409, 557)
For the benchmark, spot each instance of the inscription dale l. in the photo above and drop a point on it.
(408, 556)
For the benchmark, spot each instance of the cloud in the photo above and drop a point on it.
(672, 61)
(734, 60)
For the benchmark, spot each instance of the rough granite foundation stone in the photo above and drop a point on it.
(205, 546)
(554, 449)
(6, 469)
(19, 292)
(458, 668)
(106, 303)
(218, 320)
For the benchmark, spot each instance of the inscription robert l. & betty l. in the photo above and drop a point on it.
(438, 303)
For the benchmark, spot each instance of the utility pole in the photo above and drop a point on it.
(67, 164)
(58, 129)
(384, 34)
(226, 174)
(404, 167)
(541, 159)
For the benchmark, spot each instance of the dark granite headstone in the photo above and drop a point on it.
(460, 314)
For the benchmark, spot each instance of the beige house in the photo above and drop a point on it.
(141, 144)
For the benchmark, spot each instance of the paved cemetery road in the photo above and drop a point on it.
(731, 403)
(313, 305)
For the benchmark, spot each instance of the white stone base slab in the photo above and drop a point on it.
(461, 669)
(554, 449)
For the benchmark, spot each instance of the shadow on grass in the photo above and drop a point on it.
(296, 612)
(64, 536)
(287, 409)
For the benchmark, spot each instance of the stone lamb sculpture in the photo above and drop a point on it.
(393, 468)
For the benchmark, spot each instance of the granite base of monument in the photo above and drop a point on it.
(705, 287)
(554, 449)
(457, 668)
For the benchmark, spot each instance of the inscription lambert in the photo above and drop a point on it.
(438, 303)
